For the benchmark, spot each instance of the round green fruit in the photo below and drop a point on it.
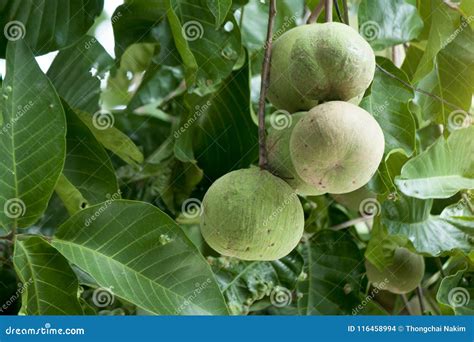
(336, 147)
(403, 275)
(317, 63)
(252, 215)
(279, 160)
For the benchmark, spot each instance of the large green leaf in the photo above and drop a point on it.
(219, 8)
(46, 25)
(388, 103)
(387, 23)
(443, 22)
(244, 283)
(443, 169)
(457, 291)
(77, 71)
(433, 235)
(143, 256)
(451, 81)
(383, 182)
(208, 54)
(334, 266)
(49, 285)
(32, 139)
(88, 167)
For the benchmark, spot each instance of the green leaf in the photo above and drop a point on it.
(113, 139)
(76, 73)
(50, 286)
(32, 139)
(221, 128)
(429, 234)
(137, 21)
(208, 54)
(384, 24)
(451, 81)
(88, 167)
(443, 169)
(244, 283)
(467, 7)
(46, 25)
(335, 267)
(383, 182)
(219, 8)
(444, 22)
(457, 292)
(143, 256)
(388, 103)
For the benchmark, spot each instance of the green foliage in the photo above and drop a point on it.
(105, 159)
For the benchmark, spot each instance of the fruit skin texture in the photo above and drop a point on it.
(402, 276)
(279, 159)
(336, 147)
(252, 215)
(317, 63)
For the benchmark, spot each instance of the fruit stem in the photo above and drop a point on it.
(407, 304)
(316, 13)
(338, 12)
(419, 292)
(263, 160)
(346, 11)
(328, 8)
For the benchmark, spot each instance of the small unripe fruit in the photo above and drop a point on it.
(336, 147)
(279, 159)
(403, 275)
(252, 215)
(317, 63)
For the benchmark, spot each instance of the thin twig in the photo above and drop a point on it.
(328, 8)
(440, 266)
(419, 292)
(263, 160)
(350, 223)
(316, 13)
(338, 11)
(408, 85)
(346, 11)
(8, 237)
(407, 304)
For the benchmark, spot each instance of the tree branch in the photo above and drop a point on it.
(263, 160)
(419, 293)
(346, 11)
(316, 13)
(350, 223)
(328, 8)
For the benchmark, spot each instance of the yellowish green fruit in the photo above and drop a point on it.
(317, 63)
(403, 275)
(279, 160)
(252, 215)
(336, 147)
